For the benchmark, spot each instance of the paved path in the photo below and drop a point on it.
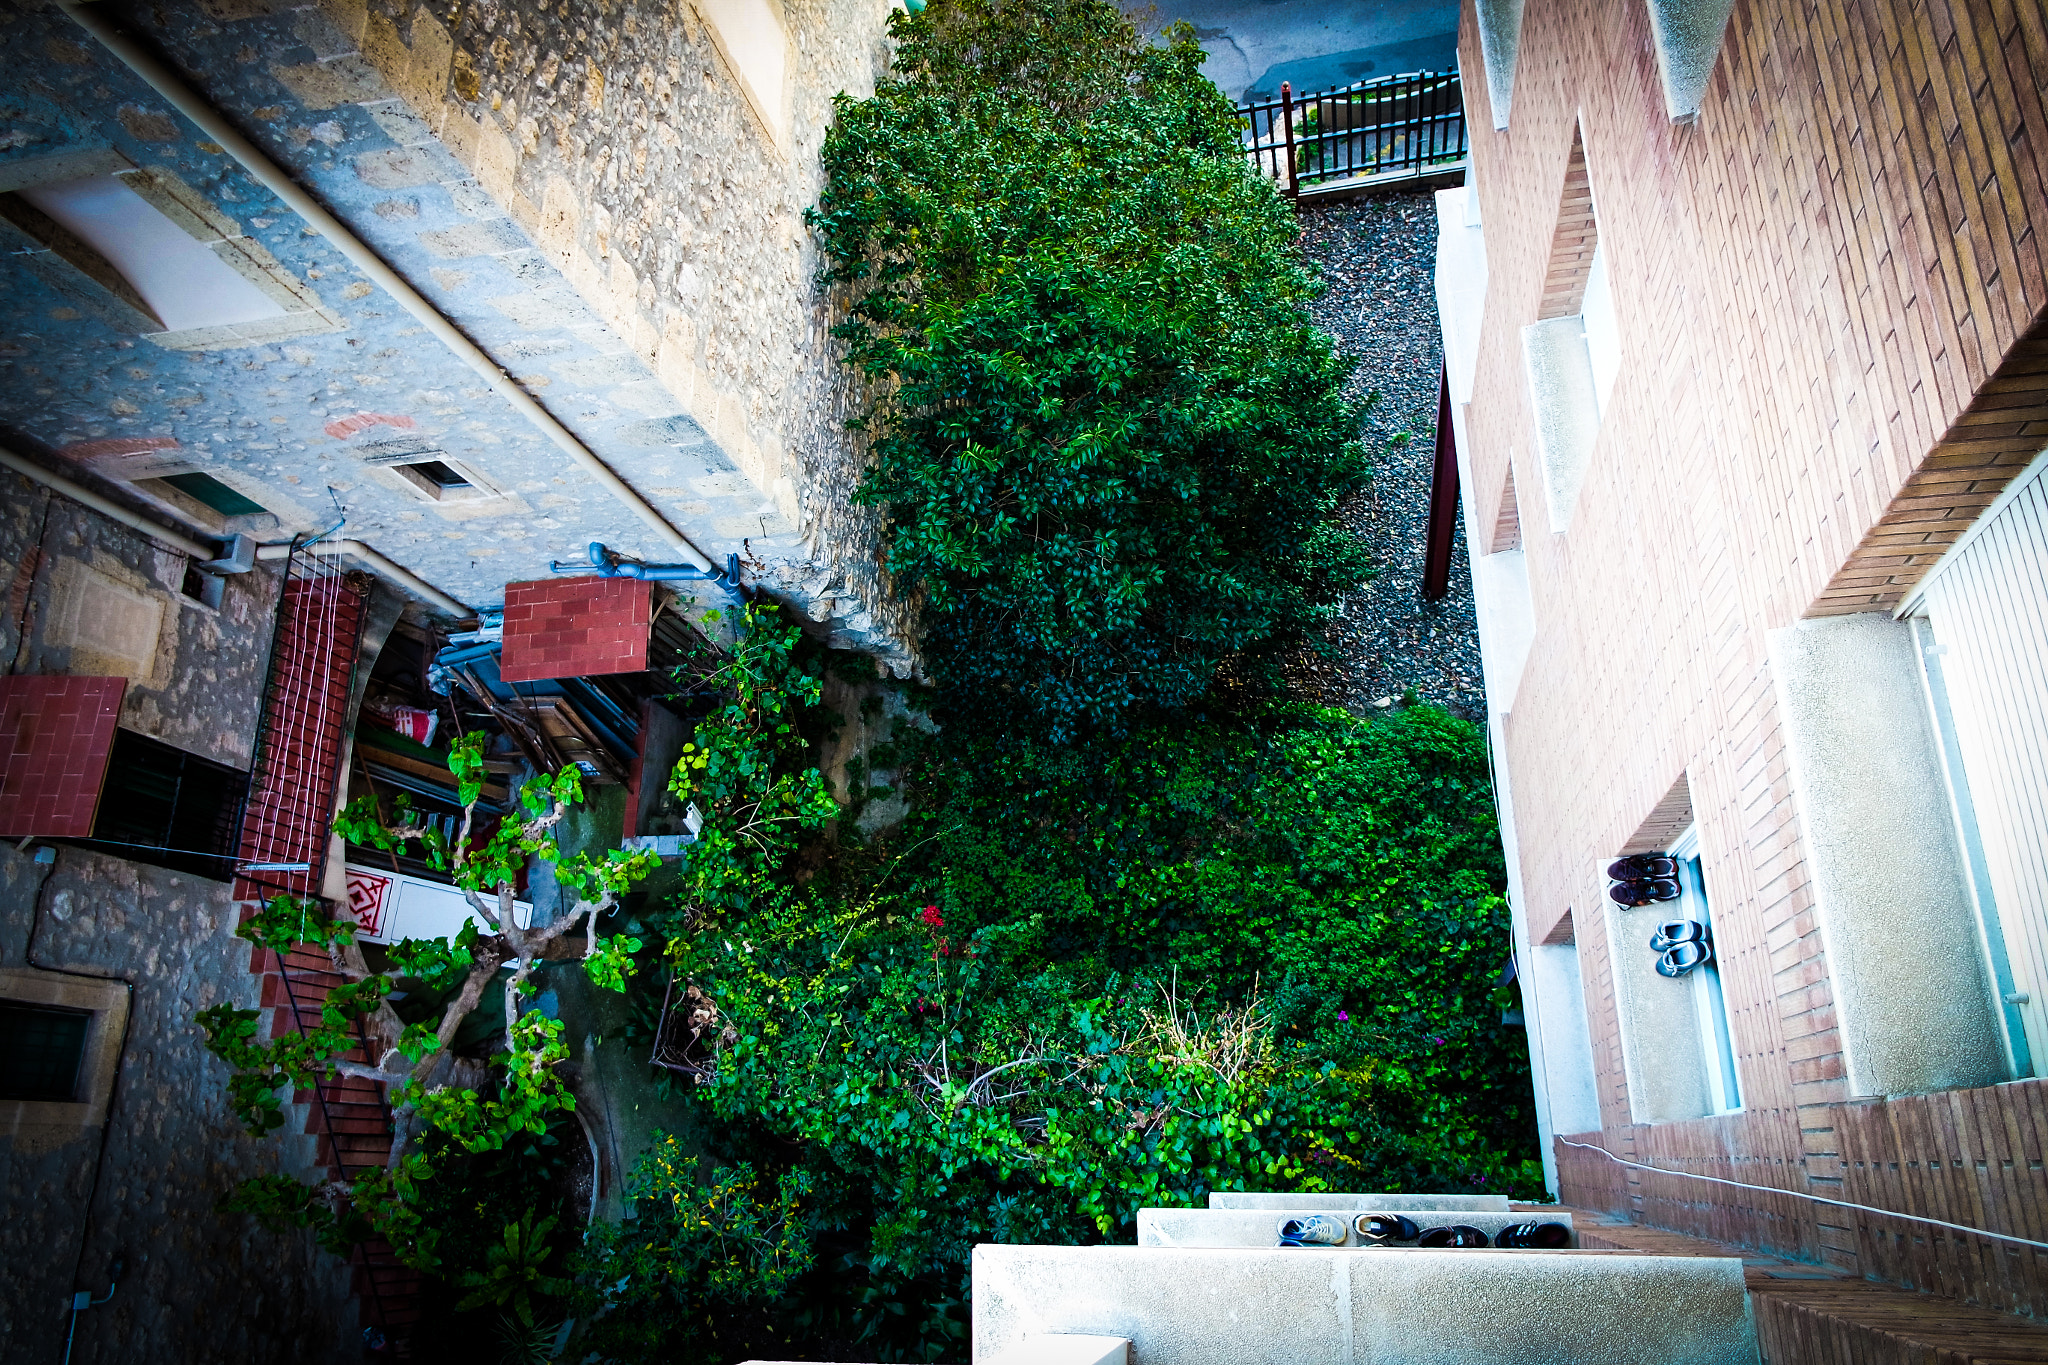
(1256, 44)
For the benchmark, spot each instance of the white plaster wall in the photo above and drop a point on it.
(1460, 285)
(1662, 1053)
(1688, 35)
(1553, 995)
(1387, 1306)
(1558, 1028)
(1359, 1203)
(1911, 988)
(1261, 1227)
(1500, 35)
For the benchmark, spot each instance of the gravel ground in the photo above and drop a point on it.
(1378, 256)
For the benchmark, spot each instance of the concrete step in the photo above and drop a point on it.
(1377, 1306)
(1810, 1314)
(1261, 1227)
(1360, 1203)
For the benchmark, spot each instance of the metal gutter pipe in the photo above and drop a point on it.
(355, 549)
(109, 509)
(208, 555)
(280, 183)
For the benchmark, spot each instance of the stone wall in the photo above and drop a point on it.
(100, 600)
(629, 247)
(199, 1284)
(620, 139)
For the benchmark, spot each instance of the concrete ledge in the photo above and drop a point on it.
(1261, 1227)
(1360, 1203)
(1184, 1306)
(1067, 1348)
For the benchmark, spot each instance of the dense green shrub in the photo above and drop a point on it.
(1215, 954)
(1109, 441)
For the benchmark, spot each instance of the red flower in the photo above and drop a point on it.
(932, 917)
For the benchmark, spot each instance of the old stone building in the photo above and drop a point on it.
(599, 202)
(323, 329)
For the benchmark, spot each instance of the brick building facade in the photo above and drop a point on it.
(1743, 312)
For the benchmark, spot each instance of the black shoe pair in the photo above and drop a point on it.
(1382, 1228)
(1642, 867)
(1537, 1236)
(1632, 894)
(1682, 944)
(1456, 1236)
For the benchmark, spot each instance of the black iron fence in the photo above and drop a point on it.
(1397, 126)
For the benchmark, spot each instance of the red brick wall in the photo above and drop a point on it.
(572, 627)
(1815, 284)
(55, 735)
(290, 813)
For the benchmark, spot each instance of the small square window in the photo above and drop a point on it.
(433, 475)
(439, 474)
(42, 1050)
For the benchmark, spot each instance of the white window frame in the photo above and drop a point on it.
(1709, 1000)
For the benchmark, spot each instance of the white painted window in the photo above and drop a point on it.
(751, 38)
(183, 283)
(1603, 336)
(1980, 623)
(1710, 1006)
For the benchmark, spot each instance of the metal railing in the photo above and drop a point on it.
(1397, 127)
(337, 1150)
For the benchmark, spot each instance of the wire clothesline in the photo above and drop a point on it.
(1818, 1199)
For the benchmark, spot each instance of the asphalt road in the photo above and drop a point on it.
(1254, 45)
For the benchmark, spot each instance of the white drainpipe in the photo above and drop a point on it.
(109, 509)
(355, 549)
(209, 556)
(279, 183)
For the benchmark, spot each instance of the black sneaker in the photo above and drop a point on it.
(1673, 932)
(1386, 1227)
(1642, 866)
(1539, 1236)
(1456, 1236)
(1682, 959)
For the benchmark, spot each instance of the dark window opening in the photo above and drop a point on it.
(164, 806)
(439, 474)
(42, 1050)
(211, 492)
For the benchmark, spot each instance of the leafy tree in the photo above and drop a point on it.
(1109, 441)
(746, 770)
(471, 1106)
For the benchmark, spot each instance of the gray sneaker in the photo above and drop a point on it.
(1316, 1230)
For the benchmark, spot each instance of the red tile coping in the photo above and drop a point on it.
(55, 735)
(572, 627)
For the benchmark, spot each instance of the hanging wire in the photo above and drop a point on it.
(1818, 1199)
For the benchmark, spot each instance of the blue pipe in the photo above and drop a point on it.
(608, 564)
